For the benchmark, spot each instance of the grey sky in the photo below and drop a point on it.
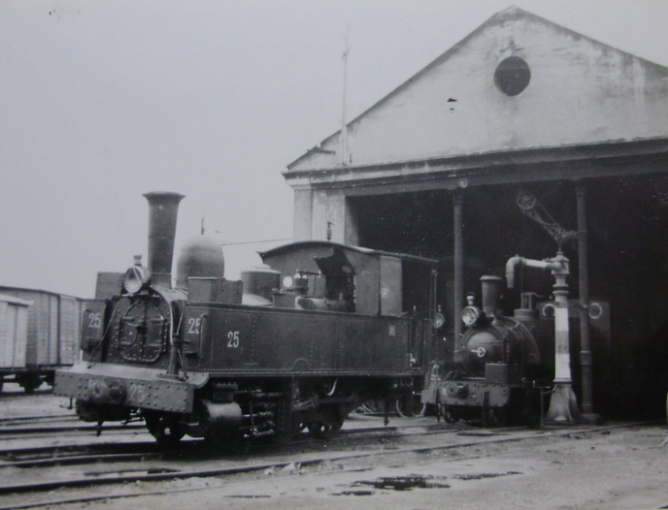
(102, 101)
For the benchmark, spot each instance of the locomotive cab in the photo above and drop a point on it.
(330, 276)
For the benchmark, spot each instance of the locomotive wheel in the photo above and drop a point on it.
(286, 436)
(449, 414)
(410, 407)
(167, 430)
(495, 416)
(325, 429)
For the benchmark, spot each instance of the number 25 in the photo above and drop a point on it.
(94, 320)
(232, 339)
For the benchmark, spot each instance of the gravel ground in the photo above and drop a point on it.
(625, 469)
(622, 469)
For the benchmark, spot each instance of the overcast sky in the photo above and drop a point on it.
(102, 101)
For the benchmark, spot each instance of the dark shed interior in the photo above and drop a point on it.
(627, 232)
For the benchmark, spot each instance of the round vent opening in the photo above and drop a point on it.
(512, 76)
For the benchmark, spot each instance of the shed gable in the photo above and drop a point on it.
(577, 92)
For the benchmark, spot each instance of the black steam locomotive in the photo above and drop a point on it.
(505, 364)
(298, 343)
(497, 356)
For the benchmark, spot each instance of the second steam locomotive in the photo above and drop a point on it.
(300, 342)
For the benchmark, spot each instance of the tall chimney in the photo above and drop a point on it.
(491, 287)
(163, 208)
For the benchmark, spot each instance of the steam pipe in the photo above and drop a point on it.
(556, 264)
(163, 209)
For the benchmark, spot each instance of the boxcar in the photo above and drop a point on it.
(30, 353)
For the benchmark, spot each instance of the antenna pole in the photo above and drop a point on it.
(344, 128)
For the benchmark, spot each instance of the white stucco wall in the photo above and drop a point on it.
(581, 92)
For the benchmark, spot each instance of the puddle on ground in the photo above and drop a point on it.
(410, 482)
(353, 493)
(406, 483)
(480, 476)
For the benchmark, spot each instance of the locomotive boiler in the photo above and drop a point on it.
(299, 342)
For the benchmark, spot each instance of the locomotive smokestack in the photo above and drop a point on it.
(491, 286)
(163, 208)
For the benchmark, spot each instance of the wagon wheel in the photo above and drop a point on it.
(30, 384)
(167, 430)
(325, 429)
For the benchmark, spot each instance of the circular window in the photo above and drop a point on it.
(512, 76)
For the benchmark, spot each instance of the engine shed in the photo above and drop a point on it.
(520, 107)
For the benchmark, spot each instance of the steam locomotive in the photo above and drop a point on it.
(302, 340)
(505, 364)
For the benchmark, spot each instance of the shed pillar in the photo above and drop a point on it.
(458, 214)
(351, 234)
(303, 215)
(585, 350)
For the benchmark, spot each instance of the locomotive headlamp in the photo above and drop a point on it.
(288, 282)
(136, 277)
(439, 318)
(470, 315)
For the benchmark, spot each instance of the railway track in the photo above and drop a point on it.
(26, 420)
(155, 472)
(76, 427)
(94, 452)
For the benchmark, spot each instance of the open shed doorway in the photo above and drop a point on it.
(627, 232)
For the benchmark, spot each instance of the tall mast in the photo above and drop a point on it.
(344, 128)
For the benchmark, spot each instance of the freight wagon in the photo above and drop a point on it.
(40, 331)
